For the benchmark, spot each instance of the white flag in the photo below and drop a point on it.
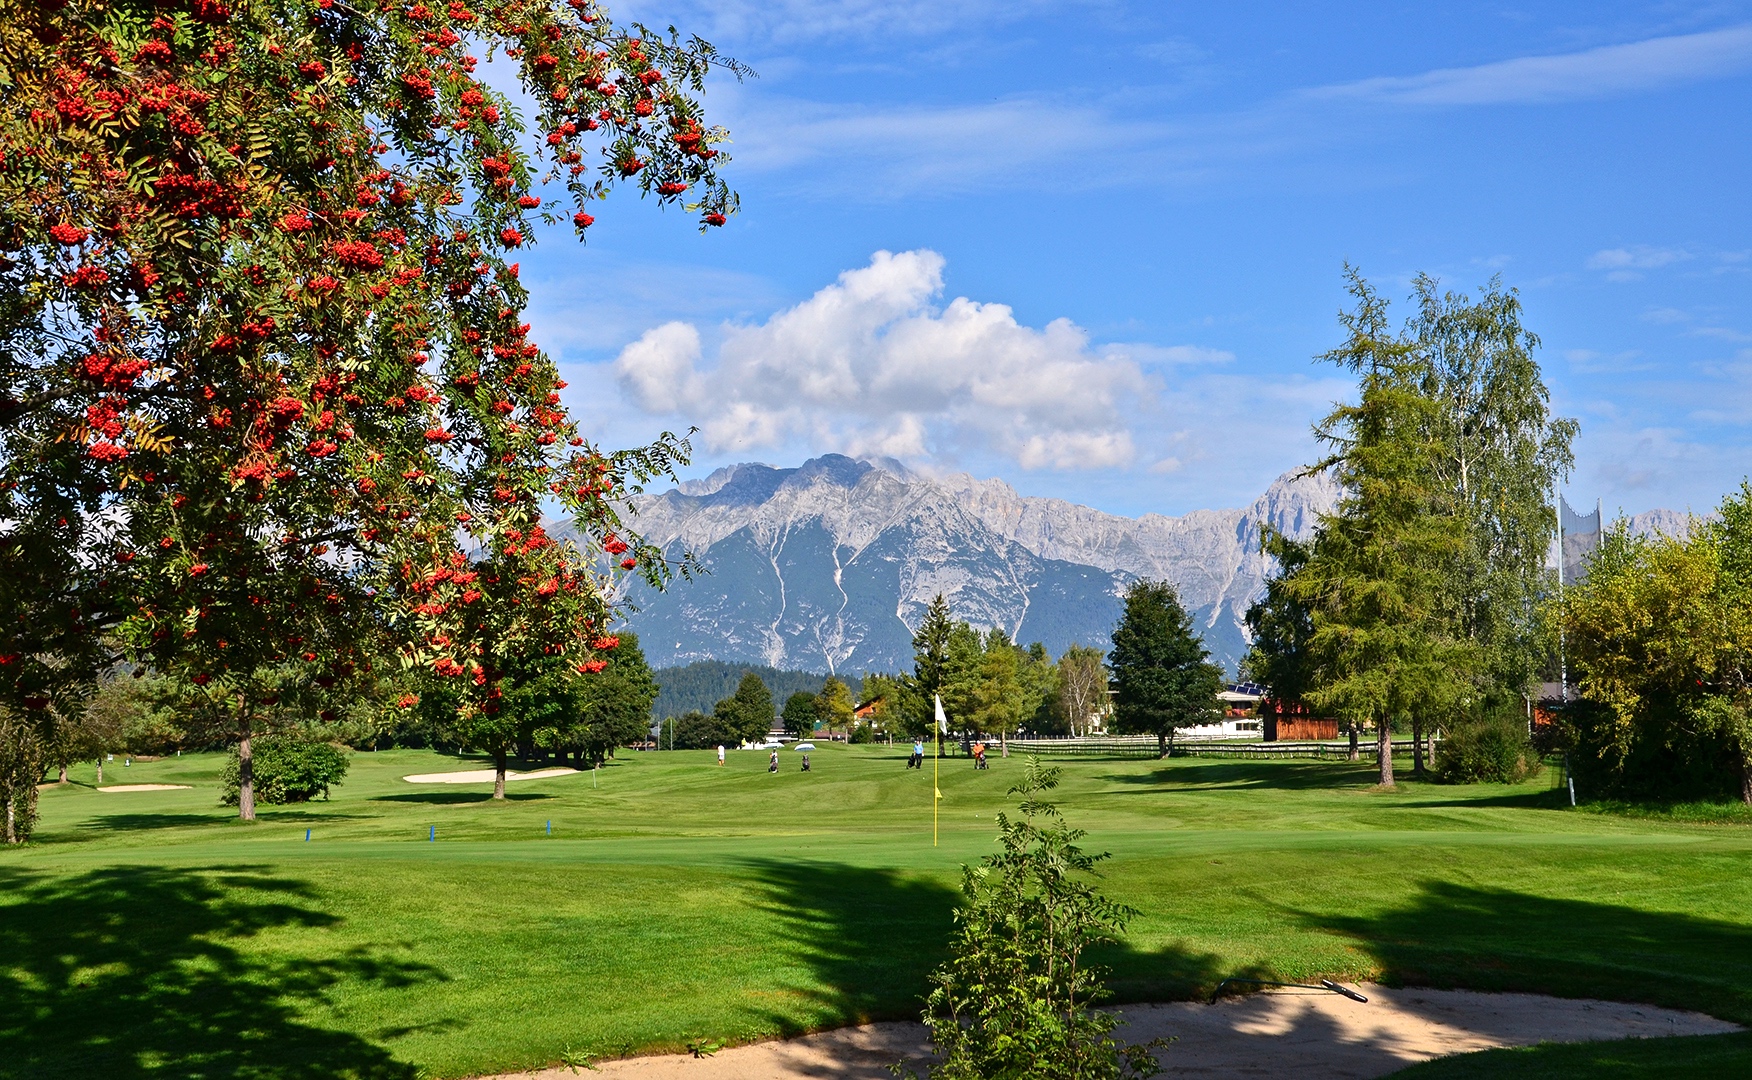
(942, 721)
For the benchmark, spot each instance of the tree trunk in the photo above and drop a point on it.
(1384, 750)
(1417, 749)
(11, 835)
(499, 775)
(1003, 744)
(1355, 751)
(1746, 775)
(940, 738)
(1161, 744)
(245, 779)
(100, 768)
(62, 778)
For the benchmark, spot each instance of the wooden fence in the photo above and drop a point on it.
(1146, 746)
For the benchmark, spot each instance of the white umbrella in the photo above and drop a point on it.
(804, 746)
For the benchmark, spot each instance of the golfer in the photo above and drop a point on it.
(918, 757)
(720, 753)
(773, 765)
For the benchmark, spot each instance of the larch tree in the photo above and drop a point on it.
(930, 655)
(997, 695)
(1382, 638)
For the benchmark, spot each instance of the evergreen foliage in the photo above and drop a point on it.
(1384, 645)
(1162, 679)
(698, 686)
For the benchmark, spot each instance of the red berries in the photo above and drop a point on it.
(715, 218)
(357, 255)
(583, 220)
(68, 234)
(629, 563)
(671, 187)
(511, 237)
(528, 202)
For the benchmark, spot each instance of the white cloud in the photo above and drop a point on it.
(1602, 72)
(1627, 264)
(1069, 140)
(872, 365)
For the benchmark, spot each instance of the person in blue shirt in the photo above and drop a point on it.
(917, 761)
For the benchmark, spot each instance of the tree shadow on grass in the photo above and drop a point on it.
(450, 798)
(870, 938)
(1290, 775)
(1458, 936)
(140, 972)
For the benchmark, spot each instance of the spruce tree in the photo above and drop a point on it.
(1162, 678)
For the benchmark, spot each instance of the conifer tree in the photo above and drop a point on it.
(1162, 678)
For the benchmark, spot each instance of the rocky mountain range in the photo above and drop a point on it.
(829, 566)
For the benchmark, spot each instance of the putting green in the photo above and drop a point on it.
(676, 900)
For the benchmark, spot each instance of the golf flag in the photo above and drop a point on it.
(943, 728)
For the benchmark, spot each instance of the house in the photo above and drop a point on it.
(1294, 720)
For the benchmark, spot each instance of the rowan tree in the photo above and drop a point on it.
(267, 404)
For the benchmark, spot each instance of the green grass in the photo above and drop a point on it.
(151, 935)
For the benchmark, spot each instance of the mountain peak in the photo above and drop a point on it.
(828, 566)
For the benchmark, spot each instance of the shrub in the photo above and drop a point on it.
(863, 733)
(288, 769)
(1014, 1000)
(1489, 749)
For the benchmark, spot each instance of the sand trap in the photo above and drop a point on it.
(147, 787)
(1274, 1034)
(483, 776)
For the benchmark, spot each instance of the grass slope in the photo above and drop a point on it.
(150, 935)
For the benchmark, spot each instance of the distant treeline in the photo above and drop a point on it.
(704, 683)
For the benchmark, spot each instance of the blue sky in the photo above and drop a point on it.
(1091, 247)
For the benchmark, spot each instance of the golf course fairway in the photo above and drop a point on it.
(424, 929)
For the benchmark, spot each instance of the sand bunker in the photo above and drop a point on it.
(147, 787)
(1274, 1034)
(483, 776)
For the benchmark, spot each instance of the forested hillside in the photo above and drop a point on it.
(704, 683)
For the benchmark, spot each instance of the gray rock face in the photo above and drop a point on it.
(829, 566)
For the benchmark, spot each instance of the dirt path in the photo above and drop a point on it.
(1263, 1035)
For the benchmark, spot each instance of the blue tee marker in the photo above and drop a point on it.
(433, 835)
(550, 831)
(307, 836)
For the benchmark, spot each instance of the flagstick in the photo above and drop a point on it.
(936, 797)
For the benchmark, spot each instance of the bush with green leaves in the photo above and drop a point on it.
(1014, 1001)
(1490, 749)
(288, 769)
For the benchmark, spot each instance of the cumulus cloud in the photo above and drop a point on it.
(1627, 263)
(873, 364)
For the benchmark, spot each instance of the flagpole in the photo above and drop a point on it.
(937, 764)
